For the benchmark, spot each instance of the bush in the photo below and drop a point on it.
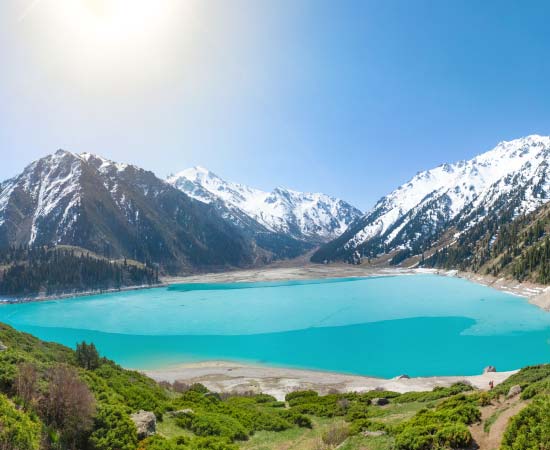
(530, 429)
(113, 430)
(434, 437)
(484, 399)
(297, 397)
(210, 443)
(296, 418)
(68, 405)
(213, 424)
(361, 425)
(525, 377)
(17, 430)
(443, 427)
(157, 442)
(436, 394)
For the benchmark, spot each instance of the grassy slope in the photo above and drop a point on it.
(443, 418)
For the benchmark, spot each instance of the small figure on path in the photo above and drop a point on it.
(491, 385)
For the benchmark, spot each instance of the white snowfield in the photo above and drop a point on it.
(519, 168)
(299, 214)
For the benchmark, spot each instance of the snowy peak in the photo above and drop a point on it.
(304, 216)
(118, 210)
(415, 215)
(50, 188)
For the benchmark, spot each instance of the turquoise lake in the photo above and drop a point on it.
(382, 326)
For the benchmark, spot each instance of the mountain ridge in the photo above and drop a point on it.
(116, 210)
(309, 217)
(413, 217)
(120, 210)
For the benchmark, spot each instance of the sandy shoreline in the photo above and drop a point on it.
(224, 376)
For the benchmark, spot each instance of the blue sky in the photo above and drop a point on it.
(350, 98)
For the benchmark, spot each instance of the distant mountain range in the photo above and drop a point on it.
(453, 215)
(120, 210)
(438, 206)
(307, 217)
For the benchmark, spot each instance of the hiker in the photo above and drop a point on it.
(491, 385)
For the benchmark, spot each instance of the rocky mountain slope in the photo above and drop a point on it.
(306, 217)
(117, 210)
(501, 245)
(510, 180)
(190, 223)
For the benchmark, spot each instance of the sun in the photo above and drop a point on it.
(106, 45)
(113, 21)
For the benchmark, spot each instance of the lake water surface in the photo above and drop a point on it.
(382, 326)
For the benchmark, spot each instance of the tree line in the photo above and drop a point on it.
(51, 270)
(502, 244)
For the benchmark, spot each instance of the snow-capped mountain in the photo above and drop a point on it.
(416, 214)
(117, 210)
(303, 216)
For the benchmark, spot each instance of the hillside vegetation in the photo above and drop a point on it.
(502, 245)
(52, 397)
(53, 270)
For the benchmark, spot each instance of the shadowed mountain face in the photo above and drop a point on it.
(118, 210)
(510, 180)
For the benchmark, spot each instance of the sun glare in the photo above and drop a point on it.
(96, 41)
(113, 21)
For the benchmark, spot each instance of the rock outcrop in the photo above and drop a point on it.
(514, 390)
(146, 423)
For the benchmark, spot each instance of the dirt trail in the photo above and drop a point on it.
(493, 439)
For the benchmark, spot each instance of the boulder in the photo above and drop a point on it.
(489, 369)
(146, 423)
(402, 377)
(514, 390)
(380, 401)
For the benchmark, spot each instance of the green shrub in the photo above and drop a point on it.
(361, 425)
(436, 394)
(525, 377)
(484, 399)
(442, 427)
(114, 430)
(17, 430)
(434, 437)
(530, 429)
(157, 442)
(294, 398)
(210, 443)
(213, 424)
(296, 418)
